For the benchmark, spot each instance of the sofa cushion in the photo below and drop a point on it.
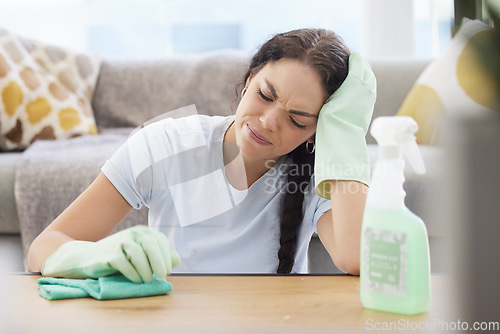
(45, 92)
(454, 82)
(131, 92)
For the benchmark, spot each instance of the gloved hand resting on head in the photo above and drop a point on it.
(137, 252)
(343, 121)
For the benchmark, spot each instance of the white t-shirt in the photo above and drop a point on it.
(175, 167)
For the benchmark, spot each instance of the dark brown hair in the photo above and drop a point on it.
(325, 52)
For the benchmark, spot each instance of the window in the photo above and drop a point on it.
(159, 28)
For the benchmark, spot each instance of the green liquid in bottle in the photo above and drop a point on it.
(395, 266)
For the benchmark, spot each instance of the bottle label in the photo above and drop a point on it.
(385, 261)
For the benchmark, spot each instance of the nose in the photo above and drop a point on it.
(270, 119)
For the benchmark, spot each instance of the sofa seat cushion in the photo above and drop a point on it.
(8, 214)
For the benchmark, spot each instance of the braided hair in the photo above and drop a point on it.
(325, 52)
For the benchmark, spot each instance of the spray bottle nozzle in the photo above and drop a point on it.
(396, 134)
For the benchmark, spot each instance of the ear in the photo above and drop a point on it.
(250, 77)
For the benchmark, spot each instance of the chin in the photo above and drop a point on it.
(249, 149)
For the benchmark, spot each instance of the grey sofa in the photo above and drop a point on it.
(36, 185)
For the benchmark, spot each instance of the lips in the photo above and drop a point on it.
(257, 137)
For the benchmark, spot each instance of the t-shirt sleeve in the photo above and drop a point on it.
(131, 169)
(315, 206)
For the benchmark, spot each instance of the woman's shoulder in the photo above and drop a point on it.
(187, 131)
(194, 123)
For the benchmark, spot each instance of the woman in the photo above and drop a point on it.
(234, 194)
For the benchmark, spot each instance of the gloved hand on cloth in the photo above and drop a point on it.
(138, 255)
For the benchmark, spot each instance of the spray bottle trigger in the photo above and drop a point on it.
(412, 154)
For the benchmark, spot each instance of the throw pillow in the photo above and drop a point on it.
(45, 92)
(455, 81)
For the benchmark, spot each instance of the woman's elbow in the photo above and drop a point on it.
(33, 260)
(348, 264)
(42, 247)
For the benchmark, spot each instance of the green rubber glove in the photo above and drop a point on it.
(137, 253)
(341, 152)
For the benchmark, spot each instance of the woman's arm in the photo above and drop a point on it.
(91, 217)
(340, 229)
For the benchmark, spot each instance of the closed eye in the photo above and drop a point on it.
(294, 122)
(262, 95)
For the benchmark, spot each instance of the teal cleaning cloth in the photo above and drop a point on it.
(103, 288)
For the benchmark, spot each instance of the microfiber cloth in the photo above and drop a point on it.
(103, 288)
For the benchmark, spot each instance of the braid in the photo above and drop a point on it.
(292, 212)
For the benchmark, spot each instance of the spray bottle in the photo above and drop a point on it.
(395, 265)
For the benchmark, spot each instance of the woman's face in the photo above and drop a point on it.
(279, 110)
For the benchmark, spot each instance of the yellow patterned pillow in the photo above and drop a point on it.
(456, 81)
(45, 92)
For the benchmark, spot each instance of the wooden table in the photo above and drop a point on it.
(217, 304)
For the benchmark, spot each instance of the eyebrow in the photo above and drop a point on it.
(293, 111)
